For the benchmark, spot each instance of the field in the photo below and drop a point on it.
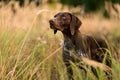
(30, 51)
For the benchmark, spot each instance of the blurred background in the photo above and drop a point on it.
(94, 14)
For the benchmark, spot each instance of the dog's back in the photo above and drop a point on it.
(96, 49)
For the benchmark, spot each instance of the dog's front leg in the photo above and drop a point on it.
(66, 58)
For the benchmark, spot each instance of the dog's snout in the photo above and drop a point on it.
(51, 21)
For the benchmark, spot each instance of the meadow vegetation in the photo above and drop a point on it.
(30, 51)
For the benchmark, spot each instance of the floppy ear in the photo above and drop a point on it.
(75, 24)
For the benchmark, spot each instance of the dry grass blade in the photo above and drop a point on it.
(51, 54)
(96, 64)
(25, 38)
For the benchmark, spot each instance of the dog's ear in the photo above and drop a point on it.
(75, 24)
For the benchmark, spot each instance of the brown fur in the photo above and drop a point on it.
(74, 42)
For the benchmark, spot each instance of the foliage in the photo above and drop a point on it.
(90, 5)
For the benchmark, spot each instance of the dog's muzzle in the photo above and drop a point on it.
(52, 26)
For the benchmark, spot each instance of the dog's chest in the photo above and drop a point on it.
(70, 52)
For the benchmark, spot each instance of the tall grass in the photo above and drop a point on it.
(27, 55)
(35, 54)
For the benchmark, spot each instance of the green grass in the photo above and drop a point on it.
(36, 55)
(25, 56)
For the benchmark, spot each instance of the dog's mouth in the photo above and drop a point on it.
(52, 26)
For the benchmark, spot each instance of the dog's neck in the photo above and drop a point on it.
(75, 40)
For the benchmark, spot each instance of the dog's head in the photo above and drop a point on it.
(63, 21)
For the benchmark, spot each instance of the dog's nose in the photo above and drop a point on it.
(51, 21)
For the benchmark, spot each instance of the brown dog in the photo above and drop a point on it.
(74, 42)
